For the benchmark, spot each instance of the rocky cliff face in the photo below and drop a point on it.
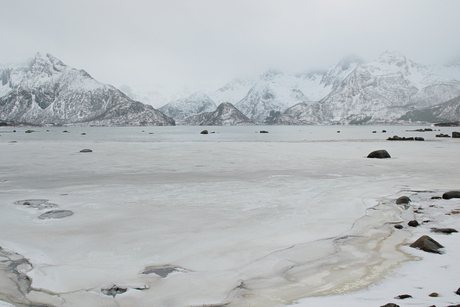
(225, 115)
(448, 111)
(46, 91)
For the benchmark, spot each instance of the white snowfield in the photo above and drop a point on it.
(165, 216)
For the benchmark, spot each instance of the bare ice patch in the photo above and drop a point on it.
(55, 214)
(36, 203)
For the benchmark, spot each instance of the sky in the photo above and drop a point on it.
(203, 44)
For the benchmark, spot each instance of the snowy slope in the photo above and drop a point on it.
(46, 91)
(194, 104)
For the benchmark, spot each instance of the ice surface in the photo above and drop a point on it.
(245, 218)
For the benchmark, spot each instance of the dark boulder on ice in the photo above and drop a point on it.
(403, 200)
(451, 194)
(418, 138)
(113, 291)
(55, 214)
(399, 226)
(390, 305)
(458, 291)
(263, 131)
(379, 154)
(455, 135)
(446, 231)
(427, 244)
(442, 135)
(204, 132)
(413, 223)
(403, 296)
(86, 150)
(398, 138)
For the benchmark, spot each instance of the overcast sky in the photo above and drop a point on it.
(204, 43)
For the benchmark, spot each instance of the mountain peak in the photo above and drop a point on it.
(392, 57)
(270, 75)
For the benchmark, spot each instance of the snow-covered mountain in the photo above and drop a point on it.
(233, 91)
(381, 91)
(275, 91)
(46, 91)
(225, 115)
(194, 104)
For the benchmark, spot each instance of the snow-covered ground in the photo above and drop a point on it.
(298, 216)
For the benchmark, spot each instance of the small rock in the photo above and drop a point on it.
(204, 132)
(436, 197)
(65, 131)
(458, 291)
(86, 150)
(403, 200)
(114, 291)
(434, 294)
(427, 244)
(413, 223)
(384, 131)
(379, 154)
(446, 231)
(403, 296)
(338, 131)
(399, 226)
(263, 131)
(419, 139)
(374, 131)
(390, 305)
(442, 135)
(458, 305)
(83, 133)
(455, 134)
(29, 131)
(451, 194)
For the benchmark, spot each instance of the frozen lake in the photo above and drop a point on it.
(235, 217)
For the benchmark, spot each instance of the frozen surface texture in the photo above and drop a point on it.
(235, 218)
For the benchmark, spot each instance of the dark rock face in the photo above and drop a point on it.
(413, 223)
(113, 291)
(451, 194)
(55, 214)
(403, 200)
(379, 154)
(455, 134)
(458, 291)
(225, 115)
(427, 244)
(446, 231)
